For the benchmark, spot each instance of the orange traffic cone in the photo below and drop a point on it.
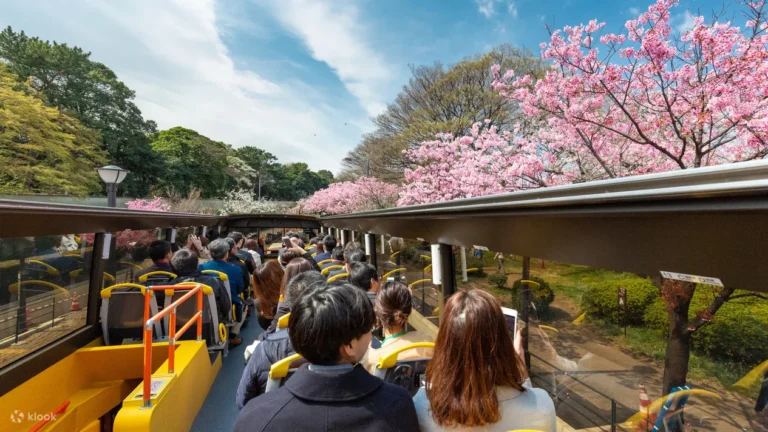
(28, 318)
(75, 306)
(649, 419)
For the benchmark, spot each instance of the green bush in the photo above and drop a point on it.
(498, 279)
(472, 262)
(601, 299)
(541, 296)
(737, 332)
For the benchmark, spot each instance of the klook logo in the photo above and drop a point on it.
(17, 416)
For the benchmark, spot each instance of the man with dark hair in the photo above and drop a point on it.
(220, 249)
(275, 346)
(364, 276)
(351, 256)
(313, 242)
(331, 328)
(337, 258)
(235, 261)
(160, 254)
(241, 253)
(329, 243)
(185, 262)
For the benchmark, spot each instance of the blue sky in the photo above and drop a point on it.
(299, 78)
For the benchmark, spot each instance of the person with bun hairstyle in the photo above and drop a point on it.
(392, 308)
(477, 380)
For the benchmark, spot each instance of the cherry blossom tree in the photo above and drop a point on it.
(611, 105)
(365, 193)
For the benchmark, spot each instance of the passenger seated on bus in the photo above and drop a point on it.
(337, 258)
(198, 246)
(242, 253)
(392, 308)
(365, 277)
(330, 327)
(160, 254)
(275, 346)
(47, 251)
(352, 256)
(329, 243)
(232, 258)
(295, 251)
(219, 249)
(297, 266)
(313, 245)
(267, 280)
(185, 264)
(474, 352)
(252, 247)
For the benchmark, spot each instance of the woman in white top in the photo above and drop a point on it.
(392, 307)
(475, 378)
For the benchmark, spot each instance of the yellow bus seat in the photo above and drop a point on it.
(122, 314)
(323, 262)
(159, 276)
(280, 371)
(405, 373)
(186, 310)
(388, 274)
(51, 270)
(225, 281)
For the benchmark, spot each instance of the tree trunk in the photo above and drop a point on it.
(678, 343)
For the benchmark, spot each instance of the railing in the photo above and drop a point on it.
(173, 335)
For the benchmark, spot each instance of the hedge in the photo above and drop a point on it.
(601, 299)
(498, 279)
(738, 331)
(541, 296)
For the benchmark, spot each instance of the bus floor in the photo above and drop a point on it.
(219, 411)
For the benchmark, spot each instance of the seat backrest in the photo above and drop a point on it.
(404, 373)
(280, 371)
(157, 277)
(122, 313)
(324, 262)
(187, 310)
(224, 280)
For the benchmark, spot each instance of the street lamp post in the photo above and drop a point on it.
(112, 176)
(261, 183)
(367, 165)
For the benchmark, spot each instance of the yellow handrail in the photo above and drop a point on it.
(49, 268)
(413, 284)
(221, 275)
(325, 271)
(386, 275)
(107, 292)
(282, 322)
(392, 257)
(426, 257)
(390, 359)
(530, 282)
(428, 268)
(321, 263)
(337, 277)
(143, 278)
(280, 369)
(14, 287)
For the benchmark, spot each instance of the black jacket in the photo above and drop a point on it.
(284, 307)
(320, 402)
(246, 256)
(272, 349)
(223, 304)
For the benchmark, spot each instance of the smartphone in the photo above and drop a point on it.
(511, 316)
(287, 242)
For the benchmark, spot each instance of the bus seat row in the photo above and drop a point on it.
(406, 373)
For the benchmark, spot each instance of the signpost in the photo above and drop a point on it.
(622, 292)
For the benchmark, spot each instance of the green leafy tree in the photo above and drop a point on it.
(193, 161)
(439, 99)
(42, 150)
(66, 78)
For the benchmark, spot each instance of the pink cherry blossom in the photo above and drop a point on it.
(365, 193)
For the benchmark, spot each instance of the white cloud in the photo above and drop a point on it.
(634, 11)
(488, 7)
(171, 53)
(333, 35)
(684, 22)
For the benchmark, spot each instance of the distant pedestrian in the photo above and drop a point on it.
(478, 253)
(499, 257)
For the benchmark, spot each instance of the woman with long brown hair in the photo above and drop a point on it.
(476, 381)
(267, 281)
(295, 267)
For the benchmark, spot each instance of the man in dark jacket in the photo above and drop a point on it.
(186, 265)
(329, 243)
(242, 254)
(275, 346)
(331, 328)
(160, 254)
